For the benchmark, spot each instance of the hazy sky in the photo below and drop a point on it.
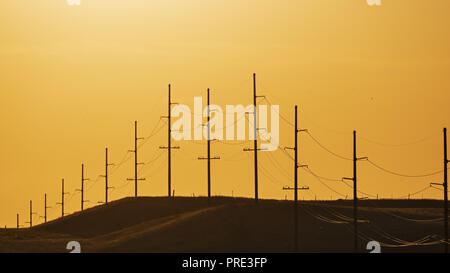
(74, 78)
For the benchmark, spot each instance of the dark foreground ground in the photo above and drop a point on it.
(186, 224)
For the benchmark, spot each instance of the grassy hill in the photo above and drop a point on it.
(188, 224)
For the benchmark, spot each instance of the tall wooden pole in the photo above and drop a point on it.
(135, 159)
(82, 186)
(31, 213)
(136, 163)
(169, 168)
(355, 196)
(296, 159)
(208, 158)
(296, 184)
(209, 147)
(62, 199)
(445, 192)
(106, 176)
(45, 208)
(296, 188)
(255, 142)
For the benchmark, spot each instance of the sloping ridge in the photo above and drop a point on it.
(123, 213)
(139, 233)
(186, 224)
(239, 226)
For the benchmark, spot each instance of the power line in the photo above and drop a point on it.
(323, 177)
(286, 153)
(379, 231)
(328, 150)
(415, 193)
(152, 172)
(234, 155)
(228, 143)
(126, 156)
(153, 133)
(397, 144)
(277, 166)
(323, 183)
(404, 175)
(266, 172)
(279, 114)
(359, 191)
(153, 159)
(124, 159)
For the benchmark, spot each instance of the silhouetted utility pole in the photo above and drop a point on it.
(445, 191)
(355, 196)
(209, 148)
(106, 176)
(18, 225)
(296, 188)
(62, 198)
(82, 187)
(169, 145)
(445, 185)
(45, 208)
(31, 214)
(255, 142)
(136, 163)
(169, 123)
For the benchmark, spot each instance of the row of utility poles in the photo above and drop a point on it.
(255, 150)
(355, 191)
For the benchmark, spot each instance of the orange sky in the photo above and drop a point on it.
(73, 80)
